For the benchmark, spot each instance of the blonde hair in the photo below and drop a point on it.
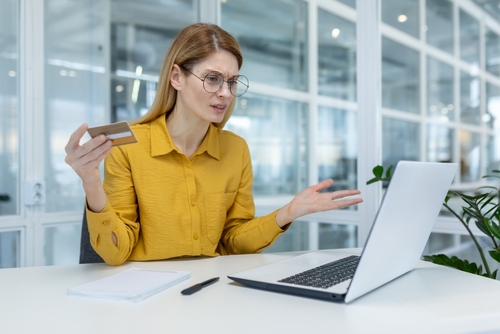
(190, 47)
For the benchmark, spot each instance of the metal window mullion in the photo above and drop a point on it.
(369, 63)
(313, 110)
(31, 122)
(423, 80)
(482, 92)
(209, 11)
(455, 61)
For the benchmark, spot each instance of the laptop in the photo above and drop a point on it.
(394, 246)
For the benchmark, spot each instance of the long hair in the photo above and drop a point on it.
(190, 47)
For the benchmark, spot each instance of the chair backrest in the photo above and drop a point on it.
(87, 253)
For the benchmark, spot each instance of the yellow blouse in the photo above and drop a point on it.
(163, 205)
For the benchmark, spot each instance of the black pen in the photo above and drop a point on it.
(199, 286)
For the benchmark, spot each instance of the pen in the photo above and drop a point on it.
(199, 286)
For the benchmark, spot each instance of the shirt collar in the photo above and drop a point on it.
(210, 143)
(162, 143)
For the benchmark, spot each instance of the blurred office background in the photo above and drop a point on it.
(66, 62)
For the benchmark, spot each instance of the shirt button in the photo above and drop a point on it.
(193, 203)
(195, 236)
(105, 223)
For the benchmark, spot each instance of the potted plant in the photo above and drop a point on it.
(482, 208)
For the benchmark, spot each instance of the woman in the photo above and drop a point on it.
(185, 189)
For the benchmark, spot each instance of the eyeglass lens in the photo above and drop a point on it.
(214, 80)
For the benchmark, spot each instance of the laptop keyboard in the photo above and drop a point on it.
(326, 275)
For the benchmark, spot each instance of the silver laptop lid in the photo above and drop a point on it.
(403, 224)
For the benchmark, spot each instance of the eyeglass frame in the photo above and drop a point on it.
(229, 84)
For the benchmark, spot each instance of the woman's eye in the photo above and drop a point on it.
(212, 79)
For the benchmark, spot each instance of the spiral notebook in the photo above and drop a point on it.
(133, 284)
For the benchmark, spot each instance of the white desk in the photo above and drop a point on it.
(430, 299)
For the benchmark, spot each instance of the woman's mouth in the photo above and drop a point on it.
(220, 108)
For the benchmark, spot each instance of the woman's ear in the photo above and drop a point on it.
(176, 77)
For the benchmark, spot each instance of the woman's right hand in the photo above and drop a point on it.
(85, 159)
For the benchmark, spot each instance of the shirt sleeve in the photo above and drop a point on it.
(244, 233)
(119, 215)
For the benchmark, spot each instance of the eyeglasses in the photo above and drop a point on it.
(213, 82)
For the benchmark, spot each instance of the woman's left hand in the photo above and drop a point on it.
(311, 200)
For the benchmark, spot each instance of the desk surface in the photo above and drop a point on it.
(429, 299)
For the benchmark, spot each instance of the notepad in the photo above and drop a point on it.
(133, 284)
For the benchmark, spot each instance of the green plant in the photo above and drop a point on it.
(483, 209)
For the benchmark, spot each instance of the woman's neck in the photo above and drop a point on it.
(186, 133)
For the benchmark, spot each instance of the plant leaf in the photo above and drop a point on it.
(491, 175)
(487, 202)
(481, 225)
(495, 254)
(493, 227)
(472, 213)
(493, 209)
(456, 263)
(488, 187)
(465, 196)
(388, 174)
(447, 198)
(494, 274)
(378, 171)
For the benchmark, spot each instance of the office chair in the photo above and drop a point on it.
(87, 253)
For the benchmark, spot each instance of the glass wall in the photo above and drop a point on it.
(470, 98)
(400, 141)
(111, 56)
(440, 141)
(62, 244)
(440, 93)
(336, 56)
(273, 40)
(400, 77)
(440, 99)
(75, 77)
(10, 248)
(296, 238)
(337, 147)
(439, 24)
(470, 156)
(9, 108)
(276, 134)
(492, 119)
(469, 38)
(140, 37)
(492, 52)
(448, 128)
(402, 15)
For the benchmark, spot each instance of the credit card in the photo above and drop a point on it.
(120, 133)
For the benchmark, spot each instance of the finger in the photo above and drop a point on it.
(344, 193)
(95, 160)
(74, 139)
(98, 154)
(88, 151)
(347, 202)
(93, 144)
(322, 185)
(338, 204)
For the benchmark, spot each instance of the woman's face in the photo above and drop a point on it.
(195, 100)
